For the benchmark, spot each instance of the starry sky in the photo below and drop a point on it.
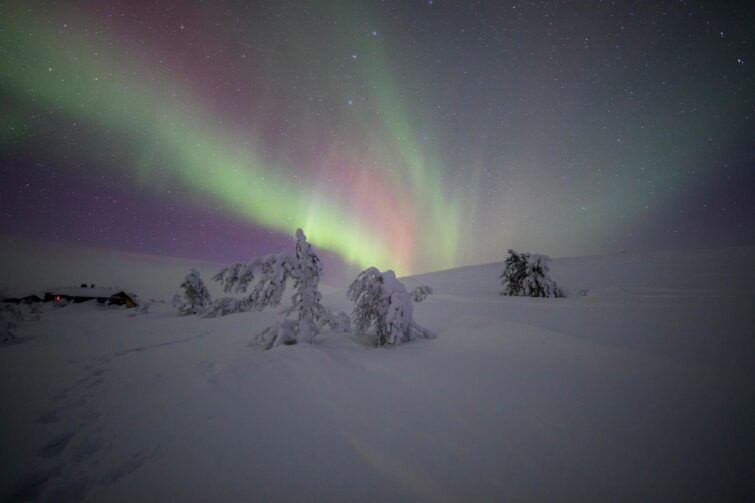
(413, 135)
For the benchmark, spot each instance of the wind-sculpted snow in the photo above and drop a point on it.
(639, 391)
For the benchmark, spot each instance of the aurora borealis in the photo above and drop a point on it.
(406, 135)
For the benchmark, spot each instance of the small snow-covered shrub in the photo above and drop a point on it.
(526, 275)
(7, 325)
(12, 313)
(421, 293)
(35, 311)
(227, 305)
(271, 274)
(381, 301)
(196, 298)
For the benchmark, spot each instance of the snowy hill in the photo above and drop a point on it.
(641, 390)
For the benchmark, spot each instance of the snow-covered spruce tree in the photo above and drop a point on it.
(526, 275)
(367, 294)
(306, 298)
(514, 272)
(382, 301)
(271, 273)
(196, 298)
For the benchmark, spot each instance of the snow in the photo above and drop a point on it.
(640, 390)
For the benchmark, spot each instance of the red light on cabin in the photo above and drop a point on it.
(57, 298)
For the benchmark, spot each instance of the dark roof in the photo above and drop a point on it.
(92, 293)
(77, 291)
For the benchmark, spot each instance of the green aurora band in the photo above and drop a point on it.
(179, 140)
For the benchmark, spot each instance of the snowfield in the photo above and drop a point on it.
(642, 390)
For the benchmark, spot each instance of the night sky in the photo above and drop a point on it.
(415, 135)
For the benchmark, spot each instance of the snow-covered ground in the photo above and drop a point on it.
(640, 391)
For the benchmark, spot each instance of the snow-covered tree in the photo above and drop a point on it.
(196, 298)
(526, 275)
(367, 294)
(381, 301)
(306, 298)
(421, 293)
(271, 274)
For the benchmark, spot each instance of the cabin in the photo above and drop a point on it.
(83, 293)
